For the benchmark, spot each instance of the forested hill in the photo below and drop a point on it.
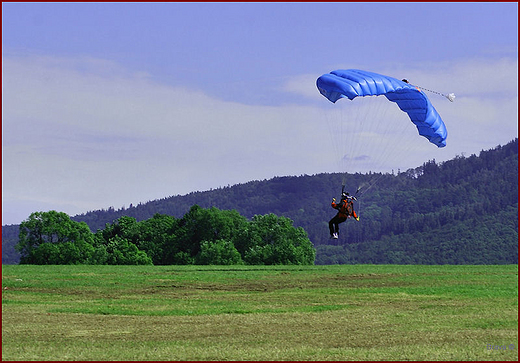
(462, 211)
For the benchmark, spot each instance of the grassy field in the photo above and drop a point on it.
(361, 312)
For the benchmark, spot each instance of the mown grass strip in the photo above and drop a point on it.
(363, 312)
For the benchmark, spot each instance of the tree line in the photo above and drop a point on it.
(202, 236)
(464, 210)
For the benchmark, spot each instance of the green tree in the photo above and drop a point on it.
(220, 252)
(69, 238)
(46, 254)
(157, 237)
(117, 244)
(273, 240)
(122, 252)
(125, 227)
(73, 253)
(210, 225)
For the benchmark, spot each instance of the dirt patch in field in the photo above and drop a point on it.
(285, 280)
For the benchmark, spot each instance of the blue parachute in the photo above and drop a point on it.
(352, 83)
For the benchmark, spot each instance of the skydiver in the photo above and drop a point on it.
(345, 210)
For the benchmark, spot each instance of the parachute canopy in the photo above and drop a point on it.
(351, 83)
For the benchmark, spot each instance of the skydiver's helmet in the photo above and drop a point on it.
(344, 195)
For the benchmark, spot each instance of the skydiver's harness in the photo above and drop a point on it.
(345, 208)
(349, 206)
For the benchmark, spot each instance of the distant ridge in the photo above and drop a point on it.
(463, 202)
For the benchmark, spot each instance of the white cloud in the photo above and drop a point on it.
(82, 137)
(303, 85)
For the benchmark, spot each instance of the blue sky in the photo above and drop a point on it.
(107, 104)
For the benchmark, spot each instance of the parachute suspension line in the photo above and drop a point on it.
(346, 121)
(335, 126)
(401, 144)
(398, 140)
(377, 110)
(450, 96)
(361, 134)
(362, 127)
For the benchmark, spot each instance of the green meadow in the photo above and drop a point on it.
(347, 312)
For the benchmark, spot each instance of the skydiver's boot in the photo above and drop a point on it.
(356, 217)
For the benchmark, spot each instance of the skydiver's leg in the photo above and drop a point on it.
(332, 224)
(340, 220)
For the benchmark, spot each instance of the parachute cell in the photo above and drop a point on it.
(351, 83)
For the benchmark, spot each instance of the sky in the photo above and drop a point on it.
(111, 104)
